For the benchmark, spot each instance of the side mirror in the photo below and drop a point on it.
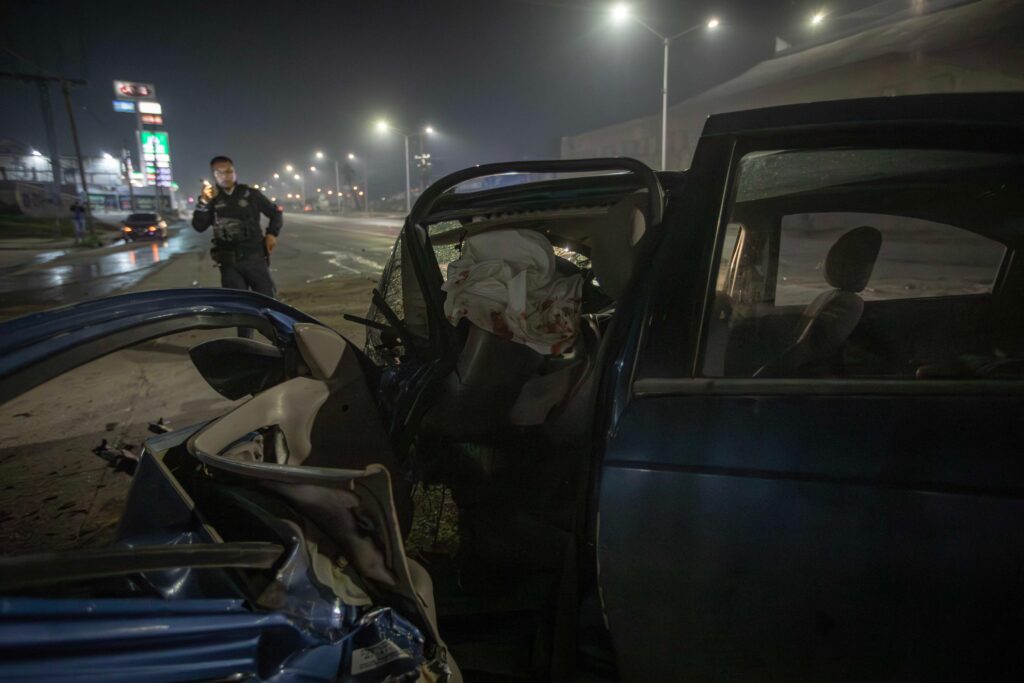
(237, 367)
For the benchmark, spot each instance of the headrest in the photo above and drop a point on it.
(851, 259)
(613, 239)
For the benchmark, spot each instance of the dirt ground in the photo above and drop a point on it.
(55, 493)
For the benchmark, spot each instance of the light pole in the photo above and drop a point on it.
(337, 177)
(383, 127)
(302, 199)
(622, 12)
(366, 181)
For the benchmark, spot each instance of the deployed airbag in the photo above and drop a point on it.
(505, 282)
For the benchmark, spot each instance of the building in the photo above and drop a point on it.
(909, 48)
(26, 183)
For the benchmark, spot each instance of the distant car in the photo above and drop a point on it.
(755, 421)
(144, 226)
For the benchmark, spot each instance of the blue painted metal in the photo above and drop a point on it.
(150, 640)
(202, 627)
(800, 532)
(40, 346)
(33, 337)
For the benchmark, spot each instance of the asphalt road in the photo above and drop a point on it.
(312, 248)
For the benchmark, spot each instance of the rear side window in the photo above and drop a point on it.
(917, 258)
(875, 263)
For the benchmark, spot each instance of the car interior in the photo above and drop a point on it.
(506, 432)
(912, 277)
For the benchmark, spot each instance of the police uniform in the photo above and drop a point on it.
(238, 245)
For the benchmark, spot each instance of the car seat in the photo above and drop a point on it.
(828, 321)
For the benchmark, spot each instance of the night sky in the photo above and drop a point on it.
(269, 83)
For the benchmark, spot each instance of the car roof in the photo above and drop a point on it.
(557, 194)
(983, 108)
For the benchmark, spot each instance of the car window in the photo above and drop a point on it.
(868, 264)
(142, 217)
(917, 258)
(447, 251)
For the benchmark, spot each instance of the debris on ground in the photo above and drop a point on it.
(122, 459)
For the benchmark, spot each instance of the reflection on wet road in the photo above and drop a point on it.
(312, 248)
(60, 277)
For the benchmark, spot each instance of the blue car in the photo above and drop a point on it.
(755, 421)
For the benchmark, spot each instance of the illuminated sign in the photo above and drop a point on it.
(150, 108)
(152, 120)
(127, 90)
(124, 107)
(156, 157)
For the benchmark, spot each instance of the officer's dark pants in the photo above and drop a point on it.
(251, 273)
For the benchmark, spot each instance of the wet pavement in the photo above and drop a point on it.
(312, 248)
(65, 276)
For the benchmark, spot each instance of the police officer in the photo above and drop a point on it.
(239, 247)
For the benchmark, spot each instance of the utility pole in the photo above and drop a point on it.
(337, 183)
(366, 188)
(65, 84)
(408, 193)
(126, 164)
(56, 167)
(66, 89)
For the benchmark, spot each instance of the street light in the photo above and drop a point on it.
(383, 127)
(337, 174)
(288, 168)
(366, 180)
(277, 176)
(818, 17)
(622, 12)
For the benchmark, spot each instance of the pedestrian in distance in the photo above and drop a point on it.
(78, 219)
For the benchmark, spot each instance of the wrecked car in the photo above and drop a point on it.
(760, 420)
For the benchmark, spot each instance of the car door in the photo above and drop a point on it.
(855, 517)
(38, 347)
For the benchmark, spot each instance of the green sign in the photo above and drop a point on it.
(156, 157)
(155, 142)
